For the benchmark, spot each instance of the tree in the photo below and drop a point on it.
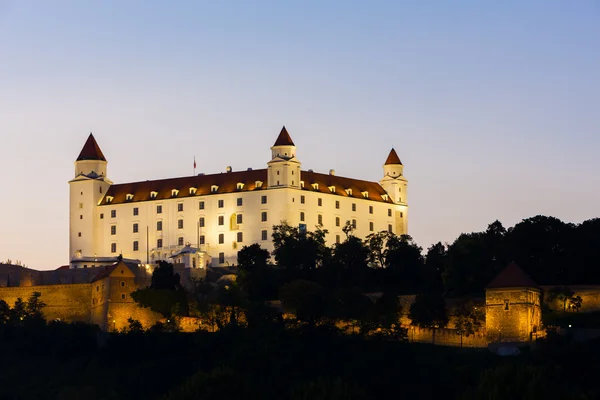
(404, 264)
(575, 303)
(34, 307)
(4, 312)
(469, 319)
(18, 312)
(257, 278)
(299, 252)
(429, 311)
(305, 299)
(165, 294)
(563, 295)
(348, 264)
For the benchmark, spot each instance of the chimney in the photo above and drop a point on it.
(228, 168)
(332, 172)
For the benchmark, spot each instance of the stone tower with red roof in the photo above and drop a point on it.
(87, 189)
(513, 312)
(396, 185)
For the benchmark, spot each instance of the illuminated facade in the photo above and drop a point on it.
(212, 216)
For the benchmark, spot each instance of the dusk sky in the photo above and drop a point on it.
(494, 109)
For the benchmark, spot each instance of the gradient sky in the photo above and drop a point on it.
(494, 109)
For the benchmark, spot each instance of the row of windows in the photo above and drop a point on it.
(180, 242)
(239, 220)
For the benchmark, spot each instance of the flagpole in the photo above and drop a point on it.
(194, 166)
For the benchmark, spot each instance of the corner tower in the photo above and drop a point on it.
(396, 186)
(512, 307)
(87, 188)
(284, 167)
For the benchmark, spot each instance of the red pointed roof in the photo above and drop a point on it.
(284, 138)
(393, 158)
(91, 150)
(511, 276)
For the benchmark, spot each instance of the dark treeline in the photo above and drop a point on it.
(552, 252)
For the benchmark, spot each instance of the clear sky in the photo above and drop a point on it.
(494, 109)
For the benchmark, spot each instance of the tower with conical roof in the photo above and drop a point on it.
(87, 188)
(284, 167)
(396, 185)
(513, 307)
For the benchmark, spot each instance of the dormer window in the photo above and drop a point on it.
(331, 189)
(349, 192)
(240, 186)
(174, 192)
(258, 184)
(214, 188)
(129, 197)
(109, 199)
(315, 186)
(153, 194)
(193, 190)
(385, 197)
(302, 184)
(365, 194)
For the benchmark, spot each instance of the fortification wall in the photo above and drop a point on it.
(119, 313)
(447, 337)
(64, 302)
(590, 296)
(512, 315)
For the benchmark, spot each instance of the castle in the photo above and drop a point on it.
(205, 219)
(119, 233)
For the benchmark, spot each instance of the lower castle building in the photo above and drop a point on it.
(212, 216)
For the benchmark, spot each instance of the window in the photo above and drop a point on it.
(179, 224)
(221, 220)
(263, 234)
(337, 204)
(263, 216)
(113, 229)
(301, 216)
(319, 202)
(113, 247)
(101, 216)
(239, 218)
(123, 296)
(180, 241)
(136, 211)
(201, 221)
(100, 189)
(337, 221)
(202, 239)
(97, 288)
(81, 217)
(122, 283)
(390, 230)
(159, 243)
(370, 209)
(80, 205)
(319, 219)
(79, 234)
(506, 307)
(159, 209)
(302, 199)
(180, 207)
(277, 172)
(337, 239)
(221, 238)
(113, 213)
(221, 258)
(240, 237)
(371, 226)
(353, 206)
(159, 225)
(240, 201)
(401, 215)
(221, 203)
(263, 199)
(135, 228)
(201, 205)
(354, 223)
(136, 245)
(389, 212)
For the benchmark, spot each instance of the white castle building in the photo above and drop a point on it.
(206, 219)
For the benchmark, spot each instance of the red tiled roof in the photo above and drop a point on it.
(511, 276)
(227, 183)
(107, 270)
(63, 267)
(284, 138)
(393, 158)
(91, 150)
